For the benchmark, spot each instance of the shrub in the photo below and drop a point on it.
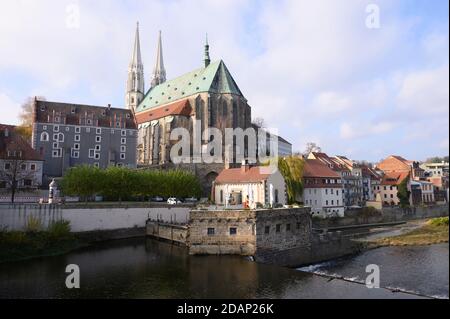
(33, 225)
(59, 229)
(441, 221)
(14, 238)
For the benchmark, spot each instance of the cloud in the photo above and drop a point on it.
(360, 130)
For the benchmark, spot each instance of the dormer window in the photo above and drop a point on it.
(72, 110)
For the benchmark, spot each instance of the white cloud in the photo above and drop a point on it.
(360, 130)
(9, 110)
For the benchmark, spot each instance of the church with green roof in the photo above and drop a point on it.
(203, 98)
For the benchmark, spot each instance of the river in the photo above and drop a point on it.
(146, 268)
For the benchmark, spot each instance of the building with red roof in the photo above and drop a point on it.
(323, 189)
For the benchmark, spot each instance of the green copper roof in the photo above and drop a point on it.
(215, 78)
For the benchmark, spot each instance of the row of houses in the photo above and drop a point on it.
(334, 184)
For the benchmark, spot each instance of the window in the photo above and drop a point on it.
(337, 192)
(98, 139)
(98, 130)
(75, 154)
(76, 146)
(221, 196)
(288, 227)
(60, 137)
(98, 147)
(123, 148)
(97, 156)
(123, 140)
(33, 167)
(88, 130)
(337, 202)
(326, 203)
(27, 182)
(96, 164)
(67, 129)
(77, 138)
(55, 145)
(211, 231)
(55, 128)
(44, 137)
(122, 156)
(298, 225)
(267, 230)
(332, 191)
(89, 122)
(55, 137)
(326, 191)
(123, 133)
(44, 127)
(233, 231)
(57, 153)
(278, 228)
(91, 153)
(332, 202)
(7, 166)
(23, 167)
(57, 119)
(77, 129)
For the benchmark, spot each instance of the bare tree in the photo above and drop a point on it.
(14, 171)
(312, 147)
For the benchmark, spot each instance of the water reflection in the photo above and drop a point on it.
(145, 268)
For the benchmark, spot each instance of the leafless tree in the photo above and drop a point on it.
(14, 172)
(260, 122)
(312, 147)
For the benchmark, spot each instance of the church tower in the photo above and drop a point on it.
(159, 72)
(135, 83)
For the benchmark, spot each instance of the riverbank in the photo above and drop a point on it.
(433, 231)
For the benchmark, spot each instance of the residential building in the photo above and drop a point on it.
(427, 189)
(352, 184)
(436, 169)
(67, 134)
(19, 162)
(254, 185)
(371, 180)
(323, 189)
(395, 163)
(389, 187)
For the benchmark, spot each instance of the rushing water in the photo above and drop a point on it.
(145, 268)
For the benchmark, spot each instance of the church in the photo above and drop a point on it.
(207, 97)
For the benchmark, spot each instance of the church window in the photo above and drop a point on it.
(235, 115)
(44, 137)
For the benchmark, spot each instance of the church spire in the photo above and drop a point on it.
(135, 82)
(159, 73)
(207, 58)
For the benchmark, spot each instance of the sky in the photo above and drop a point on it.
(365, 79)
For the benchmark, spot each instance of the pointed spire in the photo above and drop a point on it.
(207, 58)
(135, 81)
(159, 73)
(136, 57)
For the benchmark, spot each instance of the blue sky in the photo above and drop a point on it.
(312, 69)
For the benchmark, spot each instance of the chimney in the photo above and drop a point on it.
(245, 167)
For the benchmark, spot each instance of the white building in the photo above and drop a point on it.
(252, 186)
(323, 189)
(436, 169)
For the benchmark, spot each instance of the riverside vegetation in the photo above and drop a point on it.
(125, 184)
(434, 231)
(35, 241)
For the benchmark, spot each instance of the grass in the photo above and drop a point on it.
(434, 231)
(21, 245)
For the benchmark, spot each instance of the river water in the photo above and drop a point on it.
(146, 268)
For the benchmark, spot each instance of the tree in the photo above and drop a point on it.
(437, 159)
(292, 170)
(312, 147)
(26, 117)
(15, 171)
(84, 181)
(403, 193)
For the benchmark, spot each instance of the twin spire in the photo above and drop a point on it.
(135, 83)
